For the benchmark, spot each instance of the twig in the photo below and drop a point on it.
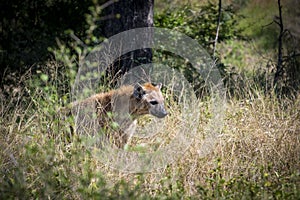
(279, 67)
(81, 43)
(269, 24)
(218, 28)
(108, 3)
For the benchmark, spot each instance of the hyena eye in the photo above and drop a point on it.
(154, 102)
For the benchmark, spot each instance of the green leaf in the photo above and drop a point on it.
(44, 77)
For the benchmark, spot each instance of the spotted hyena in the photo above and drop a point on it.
(124, 106)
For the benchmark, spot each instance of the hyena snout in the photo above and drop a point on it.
(158, 111)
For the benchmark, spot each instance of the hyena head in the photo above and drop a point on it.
(149, 100)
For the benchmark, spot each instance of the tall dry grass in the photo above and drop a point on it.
(256, 155)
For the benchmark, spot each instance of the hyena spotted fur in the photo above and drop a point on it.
(134, 101)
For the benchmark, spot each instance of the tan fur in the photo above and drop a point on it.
(137, 101)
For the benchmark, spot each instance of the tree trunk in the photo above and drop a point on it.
(129, 14)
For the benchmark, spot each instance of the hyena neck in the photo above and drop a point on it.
(124, 100)
(134, 106)
(137, 107)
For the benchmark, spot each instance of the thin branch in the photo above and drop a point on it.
(279, 67)
(81, 43)
(263, 26)
(108, 3)
(107, 17)
(218, 28)
(289, 57)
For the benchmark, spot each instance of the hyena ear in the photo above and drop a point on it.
(138, 91)
(159, 85)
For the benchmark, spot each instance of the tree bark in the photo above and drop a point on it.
(129, 14)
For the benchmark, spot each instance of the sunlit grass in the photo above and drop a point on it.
(256, 155)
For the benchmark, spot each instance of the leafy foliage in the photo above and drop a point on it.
(201, 23)
(28, 28)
